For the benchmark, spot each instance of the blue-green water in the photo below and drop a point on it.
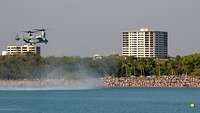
(111, 100)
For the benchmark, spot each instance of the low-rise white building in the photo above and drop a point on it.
(97, 56)
(21, 49)
(4, 53)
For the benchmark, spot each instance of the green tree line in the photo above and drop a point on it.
(33, 66)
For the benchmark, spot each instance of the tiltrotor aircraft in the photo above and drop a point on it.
(33, 37)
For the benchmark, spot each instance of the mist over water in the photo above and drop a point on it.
(51, 84)
(57, 78)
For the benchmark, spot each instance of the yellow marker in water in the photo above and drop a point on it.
(192, 105)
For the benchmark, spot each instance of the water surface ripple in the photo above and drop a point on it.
(106, 100)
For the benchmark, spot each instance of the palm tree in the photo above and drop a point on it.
(141, 66)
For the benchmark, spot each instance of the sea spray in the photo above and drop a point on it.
(56, 78)
(50, 84)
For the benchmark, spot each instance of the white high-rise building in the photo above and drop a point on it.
(145, 43)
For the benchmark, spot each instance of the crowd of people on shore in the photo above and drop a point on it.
(153, 81)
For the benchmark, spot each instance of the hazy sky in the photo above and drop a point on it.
(87, 27)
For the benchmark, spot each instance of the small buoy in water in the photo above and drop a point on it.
(192, 105)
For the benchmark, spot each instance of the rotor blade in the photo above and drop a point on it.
(40, 29)
(29, 31)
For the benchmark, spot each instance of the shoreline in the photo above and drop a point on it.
(111, 82)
